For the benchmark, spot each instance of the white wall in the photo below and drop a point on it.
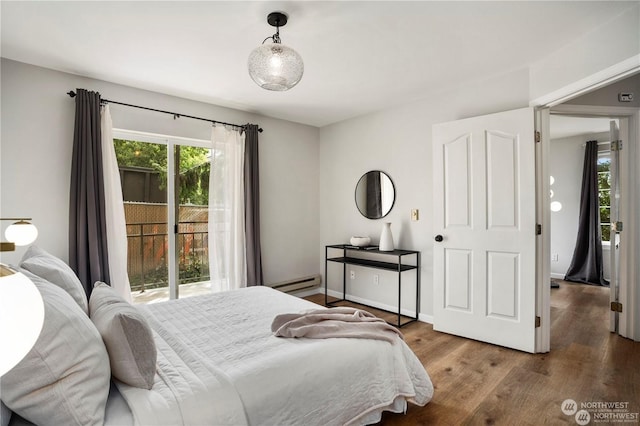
(608, 95)
(566, 164)
(599, 48)
(37, 137)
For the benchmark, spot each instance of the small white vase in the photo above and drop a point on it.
(386, 238)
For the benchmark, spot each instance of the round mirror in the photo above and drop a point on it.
(375, 194)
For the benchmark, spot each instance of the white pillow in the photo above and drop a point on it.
(54, 270)
(127, 335)
(64, 379)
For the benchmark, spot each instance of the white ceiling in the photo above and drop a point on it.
(359, 56)
(563, 126)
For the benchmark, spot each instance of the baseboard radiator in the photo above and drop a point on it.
(298, 284)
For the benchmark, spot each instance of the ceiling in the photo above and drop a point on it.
(564, 126)
(359, 56)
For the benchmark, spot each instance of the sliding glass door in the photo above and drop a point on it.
(165, 186)
(193, 166)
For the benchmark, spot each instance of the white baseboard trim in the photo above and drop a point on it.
(557, 276)
(425, 318)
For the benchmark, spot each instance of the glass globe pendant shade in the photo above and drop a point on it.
(275, 66)
(21, 233)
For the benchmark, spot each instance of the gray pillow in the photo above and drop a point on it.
(64, 379)
(127, 335)
(54, 270)
(5, 414)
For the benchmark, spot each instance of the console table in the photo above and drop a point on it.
(348, 257)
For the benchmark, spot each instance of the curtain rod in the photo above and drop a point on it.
(72, 94)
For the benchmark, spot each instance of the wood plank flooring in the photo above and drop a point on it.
(480, 384)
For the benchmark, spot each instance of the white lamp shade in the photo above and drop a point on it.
(21, 317)
(21, 233)
(275, 66)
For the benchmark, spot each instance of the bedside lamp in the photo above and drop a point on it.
(21, 317)
(20, 233)
(21, 306)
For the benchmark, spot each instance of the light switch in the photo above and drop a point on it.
(415, 214)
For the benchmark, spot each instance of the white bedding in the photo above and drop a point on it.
(219, 363)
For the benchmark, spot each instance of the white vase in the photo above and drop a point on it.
(386, 238)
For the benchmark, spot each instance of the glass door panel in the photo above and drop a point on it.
(193, 167)
(143, 175)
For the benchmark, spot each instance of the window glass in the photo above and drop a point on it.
(604, 185)
(164, 178)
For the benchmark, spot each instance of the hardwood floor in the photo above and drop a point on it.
(480, 384)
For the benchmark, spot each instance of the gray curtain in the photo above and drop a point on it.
(586, 264)
(252, 206)
(87, 224)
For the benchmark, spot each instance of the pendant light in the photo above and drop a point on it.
(274, 66)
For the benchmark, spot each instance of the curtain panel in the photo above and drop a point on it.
(88, 252)
(227, 255)
(116, 225)
(587, 264)
(252, 206)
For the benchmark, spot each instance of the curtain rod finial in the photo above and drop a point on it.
(71, 93)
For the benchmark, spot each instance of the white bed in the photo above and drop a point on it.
(218, 363)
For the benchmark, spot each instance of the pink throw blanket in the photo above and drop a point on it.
(334, 322)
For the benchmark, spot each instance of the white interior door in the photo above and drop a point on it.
(484, 227)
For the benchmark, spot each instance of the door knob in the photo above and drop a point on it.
(439, 238)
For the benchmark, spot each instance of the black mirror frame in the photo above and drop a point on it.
(393, 202)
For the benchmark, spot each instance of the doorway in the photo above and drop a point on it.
(568, 137)
(626, 292)
(598, 95)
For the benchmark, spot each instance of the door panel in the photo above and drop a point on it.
(458, 280)
(484, 208)
(502, 175)
(502, 284)
(457, 168)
